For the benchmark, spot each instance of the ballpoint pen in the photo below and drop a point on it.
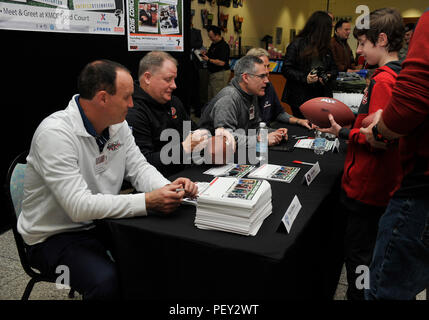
(302, 162)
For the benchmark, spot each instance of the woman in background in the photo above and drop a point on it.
(309, 67)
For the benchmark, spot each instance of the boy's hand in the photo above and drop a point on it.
(334, 129)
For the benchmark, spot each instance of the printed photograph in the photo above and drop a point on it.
(148, 17)
(168, 20)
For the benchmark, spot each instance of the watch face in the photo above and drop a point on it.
(375, 133)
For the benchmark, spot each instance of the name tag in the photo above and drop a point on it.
(252, 112)
(336, 147)
(312, 173)
(291, 213)
(100, 164)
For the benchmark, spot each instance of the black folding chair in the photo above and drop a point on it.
(15, 191)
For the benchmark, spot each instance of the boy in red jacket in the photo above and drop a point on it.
(370, 175)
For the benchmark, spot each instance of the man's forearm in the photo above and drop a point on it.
(217, 62)
(386, 132)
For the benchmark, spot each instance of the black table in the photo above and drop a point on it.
(167, 257)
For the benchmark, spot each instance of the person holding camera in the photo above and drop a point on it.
(309, 67)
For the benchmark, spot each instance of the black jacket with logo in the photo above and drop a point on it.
(148, 119)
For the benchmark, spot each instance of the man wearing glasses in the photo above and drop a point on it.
(236, 106)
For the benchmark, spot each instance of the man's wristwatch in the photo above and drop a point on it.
(378, 136)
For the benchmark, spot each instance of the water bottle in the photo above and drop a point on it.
(319, 143)
(262, 143)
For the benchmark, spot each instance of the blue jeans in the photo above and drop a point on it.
(400, 265)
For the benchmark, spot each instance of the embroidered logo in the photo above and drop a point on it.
(267, 104)
(365, 98)
(113, 146)
(173, 113)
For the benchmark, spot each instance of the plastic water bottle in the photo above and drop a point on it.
(319, 143)
(262, 143)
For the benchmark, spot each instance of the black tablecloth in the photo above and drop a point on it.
(166, 256)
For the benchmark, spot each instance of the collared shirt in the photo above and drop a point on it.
(100, 139)
(220, 51)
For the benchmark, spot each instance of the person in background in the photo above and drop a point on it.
(270, 108)
(217, 59)
(77, 162)
(370, 176)
(236, 105)
(400, 265)
(145, 15)
(409, 29)
(341, 50)
(157, 109)
(309, 67)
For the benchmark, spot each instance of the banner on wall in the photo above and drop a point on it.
(155, 25)
(72, 16)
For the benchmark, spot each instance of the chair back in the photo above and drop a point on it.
(15, 192)
(15, 185)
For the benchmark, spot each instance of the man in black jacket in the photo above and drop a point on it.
(159, 121)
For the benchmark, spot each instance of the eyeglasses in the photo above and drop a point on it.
(260, 76)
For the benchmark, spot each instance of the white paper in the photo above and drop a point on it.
(312, 173)
(58, 3)
(94, 4)
(309, 144)
(201, 187)
(60, 19)
(275, 172)
(155, 33)
(234, 205)
(231, 170)
(291, 213)
(304, 143)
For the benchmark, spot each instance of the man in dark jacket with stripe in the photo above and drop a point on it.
(159, 121)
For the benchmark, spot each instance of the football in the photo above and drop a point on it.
(316, 111)
(217, 151)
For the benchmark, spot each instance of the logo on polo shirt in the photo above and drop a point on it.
(113, 146)
(173, 113)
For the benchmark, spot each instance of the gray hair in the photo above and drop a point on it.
(153, 61)
(246, 64)
(258, 52)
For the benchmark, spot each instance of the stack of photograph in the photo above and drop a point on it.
(237, 205)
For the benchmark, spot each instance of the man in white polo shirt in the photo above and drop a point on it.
(78, 160)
